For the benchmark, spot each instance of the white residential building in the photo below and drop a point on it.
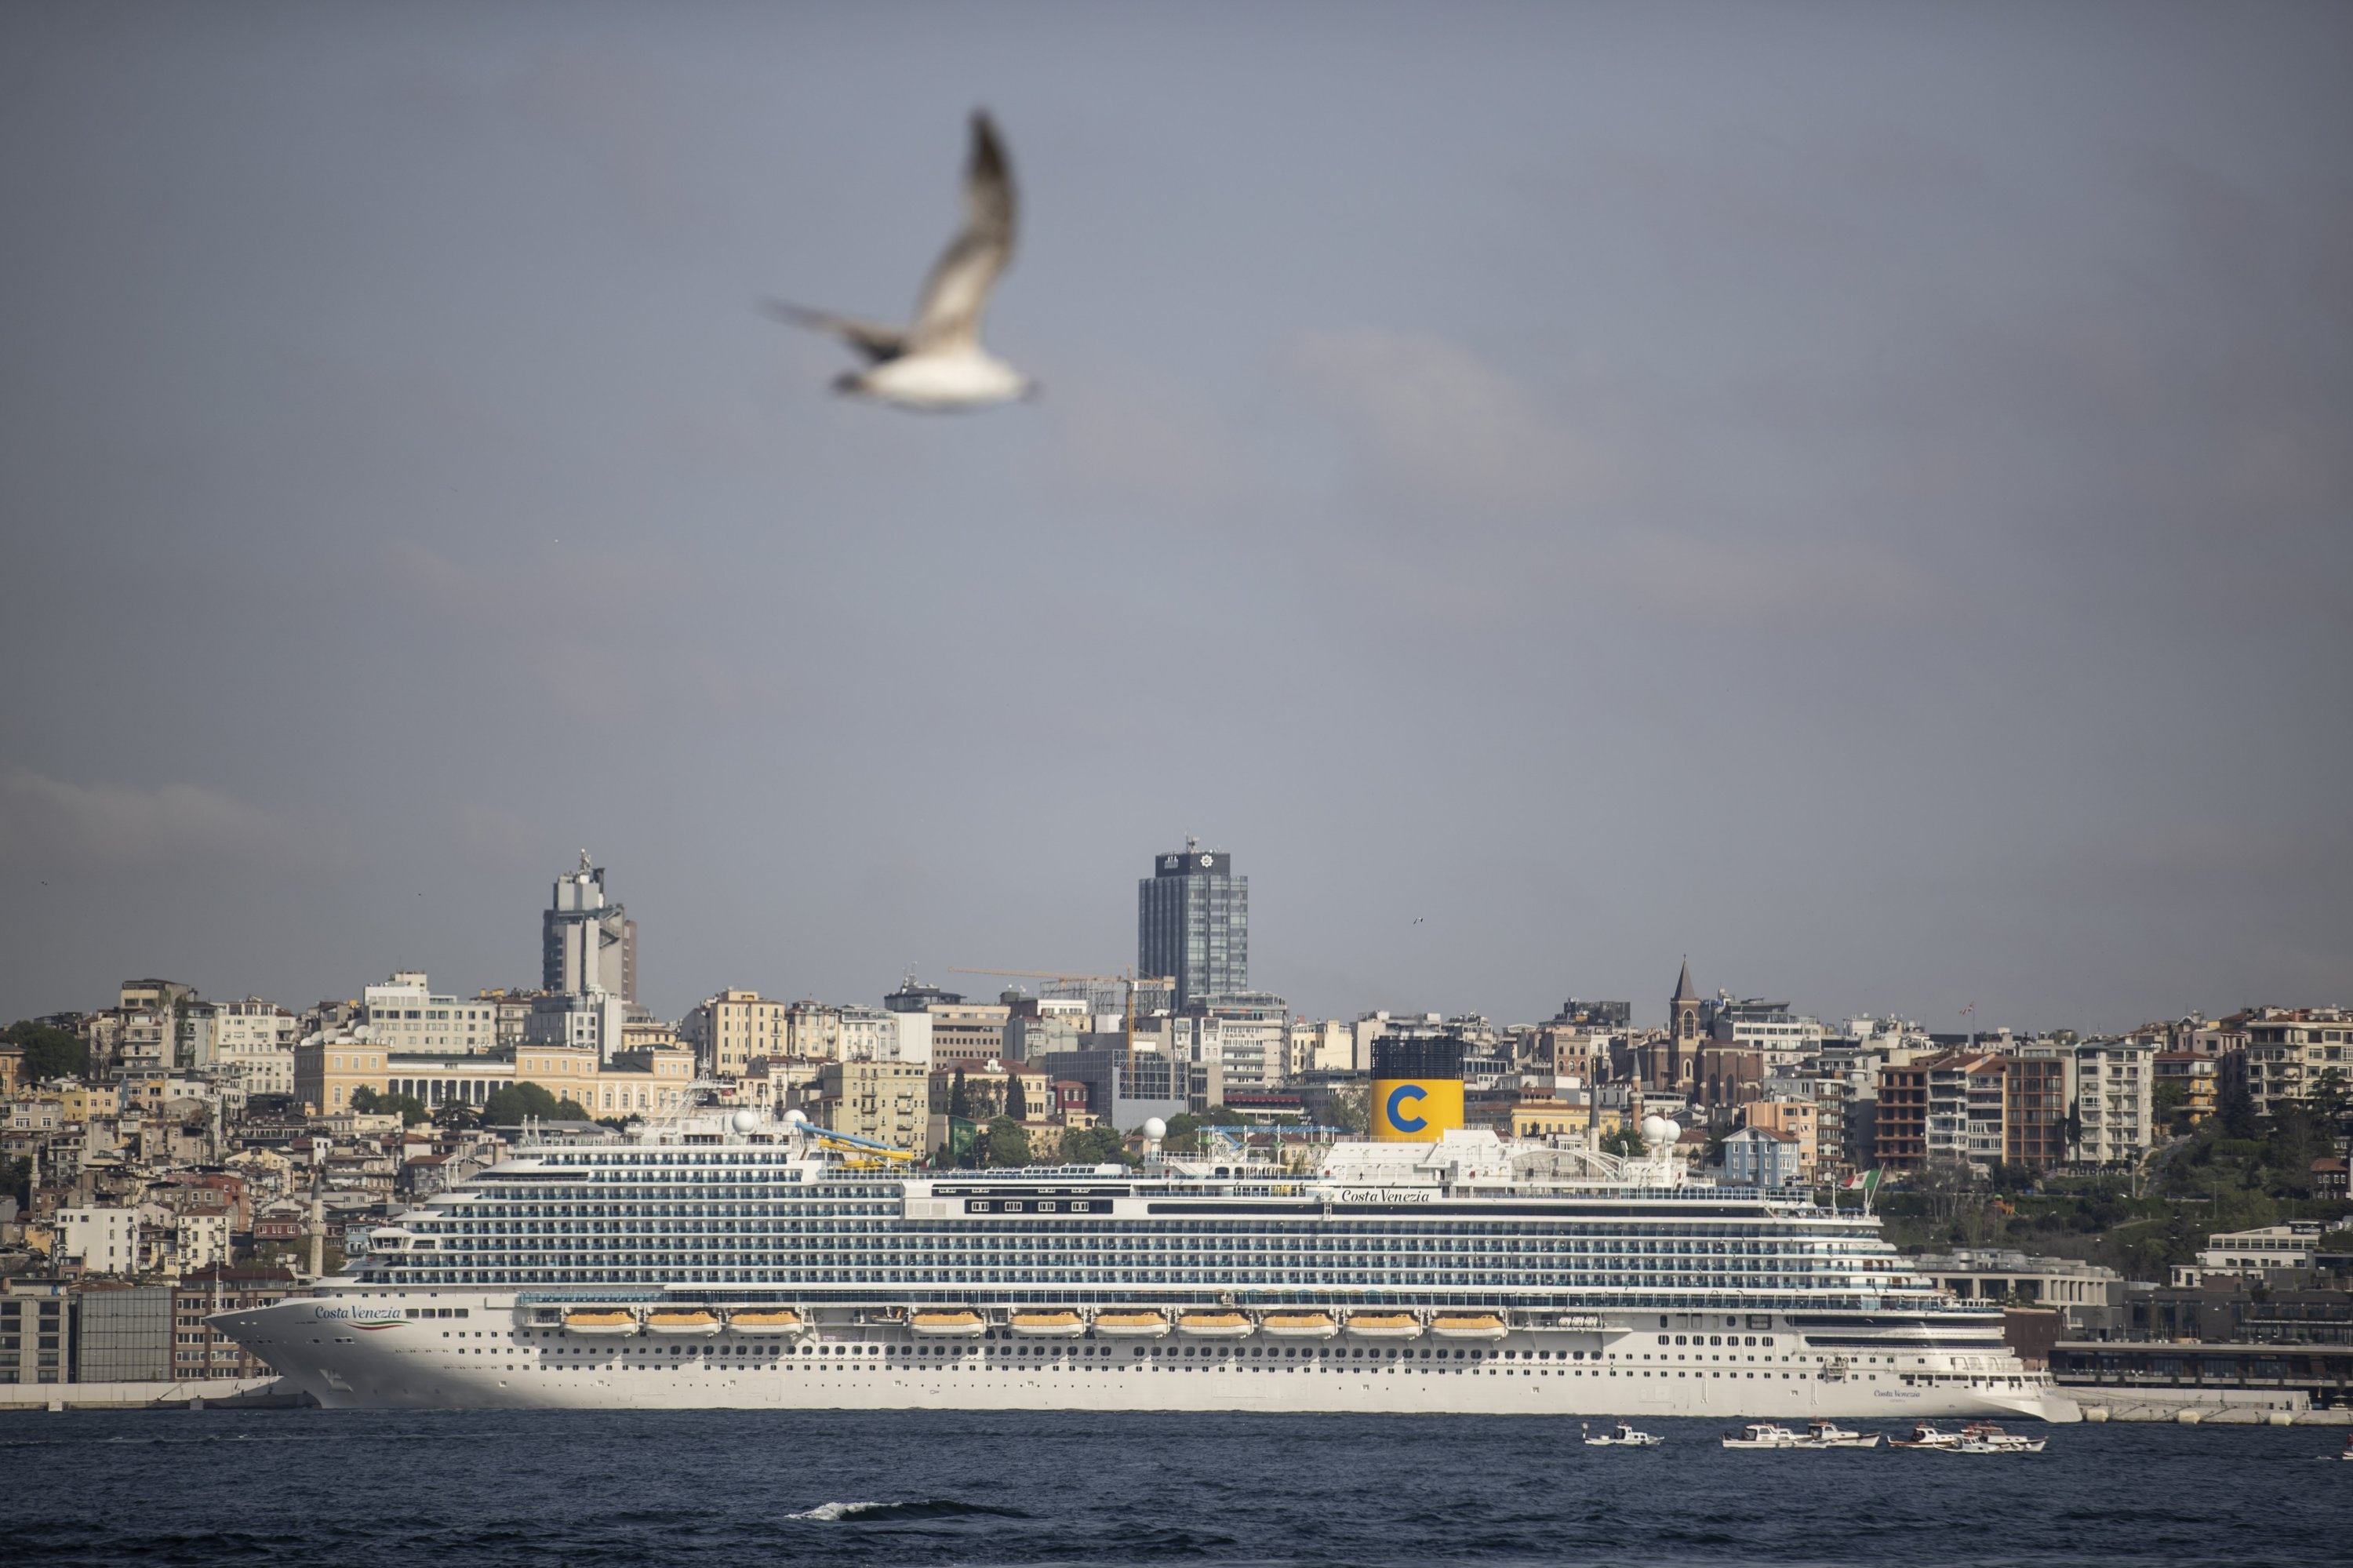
(199, 1241)
(592, 1021)
(1249, 1052)
(1784, 1039)
(904, 1037)
(1309, 1046)
(2287, 1053)
(2291, 1245)
(251, 1043)
(404, 1015)
(2115, 1083)
(106, 1240)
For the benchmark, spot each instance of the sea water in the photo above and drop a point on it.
(906, 1488)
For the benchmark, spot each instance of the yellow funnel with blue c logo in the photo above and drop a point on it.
(1417, 1090)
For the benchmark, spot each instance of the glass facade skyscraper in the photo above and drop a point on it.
(1192, 924)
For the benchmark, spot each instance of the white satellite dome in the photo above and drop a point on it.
(1658, 1131)
(745, 1120)
(1153, 1128)
(794, 1118)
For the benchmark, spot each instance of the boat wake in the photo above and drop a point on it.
(930, 1507)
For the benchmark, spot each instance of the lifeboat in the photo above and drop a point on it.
(1298, 1326)
(613, 1322)
(1468, 1326)
(696, 1321)
(1063, 1325)
(947, 1325)
(1216, 1326)
(775, 1320)
(1131, 1325)
(1384, 1326)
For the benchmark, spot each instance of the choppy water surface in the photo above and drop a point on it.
(313, 1486)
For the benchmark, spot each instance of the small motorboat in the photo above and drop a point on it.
(1822, 1434)
(1620, 1436)
(1924, 1435)
(1985, 1437)
(1766, 1435)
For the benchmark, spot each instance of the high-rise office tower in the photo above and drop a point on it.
(1192, 924)
(586, 944)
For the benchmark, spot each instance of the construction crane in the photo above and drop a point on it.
(1128, 979)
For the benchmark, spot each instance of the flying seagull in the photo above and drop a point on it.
(937, 365)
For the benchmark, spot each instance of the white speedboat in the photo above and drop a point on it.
(1621, 1436)
(1985, 1437)
(1829, 1434)
(1766, 1435)
(1925, 1436)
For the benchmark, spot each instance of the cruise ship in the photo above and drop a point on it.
(730, 1259)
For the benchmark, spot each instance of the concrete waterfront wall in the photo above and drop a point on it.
(195, 1395)
(2206, 1406)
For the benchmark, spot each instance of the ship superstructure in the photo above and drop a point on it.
(727, 1259)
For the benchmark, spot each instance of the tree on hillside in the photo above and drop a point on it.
(1008, 1142)
(411, 1110)
(1624, 1141)
(50, 1052)
(1095, 1146)
(507, 1107)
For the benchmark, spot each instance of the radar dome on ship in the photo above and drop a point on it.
(1155, 1127)
(745, 1120)
(796, 1119)
(1658, 1131)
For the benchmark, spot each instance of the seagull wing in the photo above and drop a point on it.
(948, 314)
(872, 339)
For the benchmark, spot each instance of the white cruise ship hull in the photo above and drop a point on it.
(488, 1360)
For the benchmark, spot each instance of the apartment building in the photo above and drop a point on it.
(2114, 1093)
(886, 1101)
(2287, 1053)
(2197, 1078)
(199, 1351)
(404, 1013)
(1798, 1119)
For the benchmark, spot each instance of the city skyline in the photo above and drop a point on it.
(1857, 496)
(580, 892)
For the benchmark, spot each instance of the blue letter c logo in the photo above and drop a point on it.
(1397, 1097)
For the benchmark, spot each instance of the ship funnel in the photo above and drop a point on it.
(1417, 1090)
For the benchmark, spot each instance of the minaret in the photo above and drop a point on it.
(318, 1226)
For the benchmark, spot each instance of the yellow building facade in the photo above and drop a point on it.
(327, 1073)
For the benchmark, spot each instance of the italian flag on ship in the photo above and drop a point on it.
(1866, 1179)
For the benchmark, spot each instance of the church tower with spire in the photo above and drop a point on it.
(1684, 1038)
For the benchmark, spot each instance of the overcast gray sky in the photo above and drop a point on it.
(1861, 495)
